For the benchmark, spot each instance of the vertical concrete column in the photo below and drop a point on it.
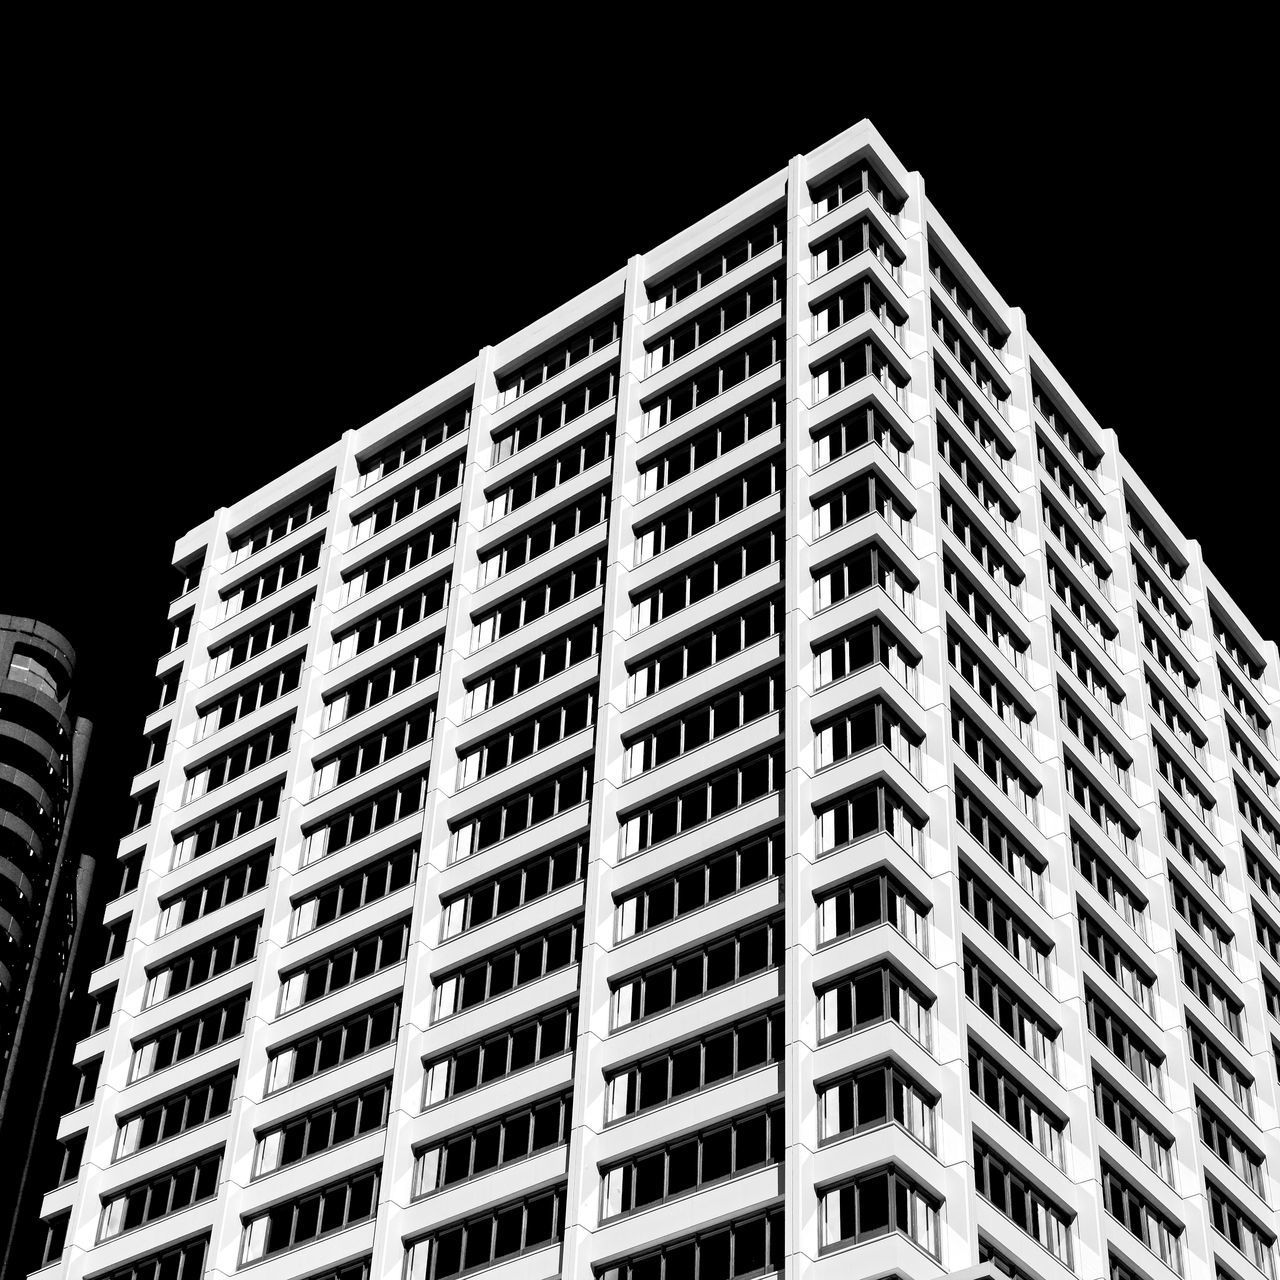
(582, 1198)
(414, 1038)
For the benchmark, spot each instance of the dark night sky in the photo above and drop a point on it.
(214, 279)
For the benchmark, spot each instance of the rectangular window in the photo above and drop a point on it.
(1115, 762)
(868, 902)
(569, 463)
(1007, 1009)
(217, 891)
(554, 415)
(553, 724)
(974, 815)
(876, 1204)
(536, 601)
(1155, 544)
(988, 620)
(531, 668)
(865, 359)
(183, 1261)
(257, 640)
(382, 683)
(418, 441)
(872, 997)
(1124, 1043)
(992, 1083)
(1028, 1207)
(431, 541)
(873, 1097)
(516, 813)
(990, 687)
(1201, 861)
(1215, 935)
(399, 615)
(247, 755)
(860, 297)
(1087, 671)
(325, 1127)
(860, 570)
(366, 818)
(727, 257)
(374, 749)
(559, 357)
(175, 1114)
(302, 511)
(352, 1037)
(275, 577)
(1251, 1239)
(969, 736)
(1053, 413)
(1003, 923)
(706, 446)
(865, 425)
(528, 960)
(1131, 1125)
(1116, 961)
(708, 508)
(1099, 871)
(547, 535)
(864, 495)
(182, 1040)
(351, 963)
(859, 236)
(203, 963)
(1095, 802)
(228, 824)
(1096, 570)
(861, 647)
(408, 499)
(1238, 1155)
(1221, 1068)
(1081, 608)
(714, 380)
(513, 888)
(732, 310)
(1227, 636)
(1142, 1219)
(1211, 993)
(249, 697)
(368, 884)
(297, 1222)
(754, 1246)
(170, 1192)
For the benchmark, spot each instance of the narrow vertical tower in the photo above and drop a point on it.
(741, 779)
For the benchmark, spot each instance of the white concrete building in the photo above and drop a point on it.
(740, 777)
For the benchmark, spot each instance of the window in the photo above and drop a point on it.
(553, 415)
(987, 1252)
(1028, 1207)
(228, 824)
(155, 744)
(988, 329)
(339, 1121)
(71, 1151)
(85, 1082)
(1218, 1065)
(698, 1160)
(535, 1127)
(527, 738)
(183, 1261)
(873, 900)
(366, 818)
(861, 647)
(374, 749)
(101, 1005)
(872, 808)
(415, 443)
(188, 572)
(870, 998)
(562, 651)
(352, 963)
(539, 539)
(556, 359)
(1096, 868)
(1087, 671)
(1141, 1218)
(992, 760)
(382, 683)
(182, 1040)
(1171, 714)
(355, 1035)
(270, 632)
(541, 479)
(368, 884)
(864, 495)
(175, 1114)
(680, 591)
(956, 456)
(176, 1189)
(1155, 645)
(1249, 1237)
(513, 888)
(203, 963)
(1158, 596)
(1129, 1123)
(700, 650)
(1263, 876)
(248, 697)
(1080, 607)
(1156, 545)
(537, 956)
(1094, 801)
(275, 577)
(537, 601)
(1210, 992)
(179, 631)
(514, 1048)
(991, 1082)
(859, 236)
(861, 297)
(1201, 861)
(431, 541)
(38, 671)
(1222, 1139)
(746, 1045)
(980, 677)
(217, 891)
(1005, 925)
(1197, 799)
(308, 1217)
(873, 1097)
(860, 178)
(958, 347)
(1052, 412)
(144, 804)
(1118, 964)
(699, 450)
(508, 817)
(1256, 819)
(1124, 1043)
(398, 616)
(488, 1238)
(860, 570)
(1216, 936)
(1007, 1009)
(708, 508)
(699, 884)
(246, 755)
(753, 1246)
(1095, 569)
(1227, 636)
(408, 499)
(714, 380)
(117, 936)
(1259, 770)
(1026, 867)
(718, 262)
(703, 802)
(720, 963)
(703, 723)
(1116, 763)
(732, 310)
(284, 522)
(989, 622)
(865, 359)
(874, 1205)
(1267, 934)
(962, 409)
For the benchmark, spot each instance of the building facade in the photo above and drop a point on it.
(44, 892)
(742, 777)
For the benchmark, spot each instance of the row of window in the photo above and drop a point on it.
(374, 749)
(554, 415)
(556, 359)
(541, 479)
(400, 505)
(535, 540)
(382, 683)
(538, 600)
(284, 522)
(704, 447)
(710, 323)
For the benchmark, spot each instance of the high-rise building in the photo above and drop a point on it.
(44, 893)
(741, 777)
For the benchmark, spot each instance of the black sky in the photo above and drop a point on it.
(221, 269)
